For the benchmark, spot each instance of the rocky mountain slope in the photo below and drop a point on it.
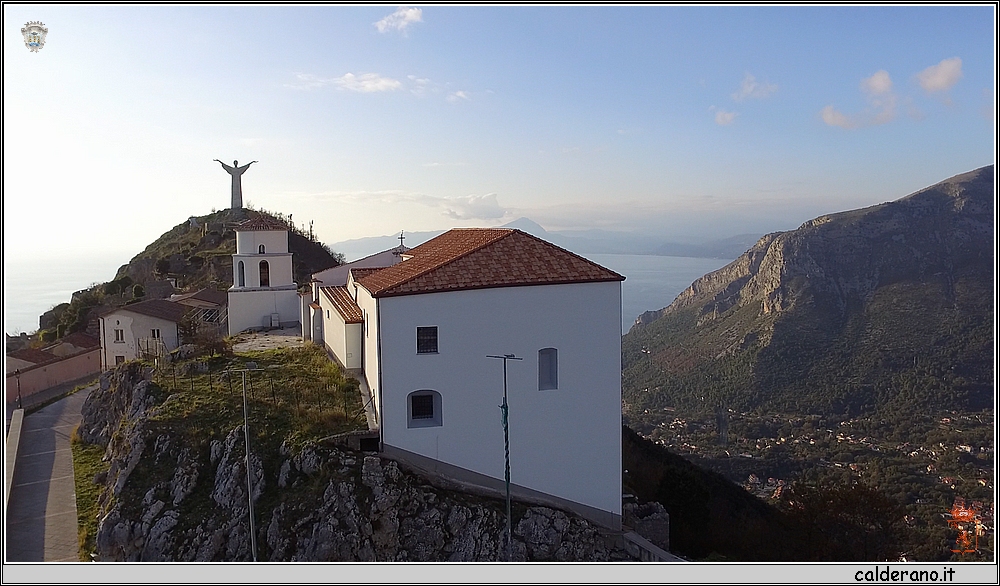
(175, 496)
(887, 306)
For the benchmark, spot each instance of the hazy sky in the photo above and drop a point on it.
(690, 122)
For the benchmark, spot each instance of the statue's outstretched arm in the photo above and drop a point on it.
(224, 166)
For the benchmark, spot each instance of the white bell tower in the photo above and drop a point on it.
(263, 294)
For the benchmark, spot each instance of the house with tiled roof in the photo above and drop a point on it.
(147, 328)
(420, 331)
(326, 316)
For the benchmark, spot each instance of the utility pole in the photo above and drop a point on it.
(250, 366)
(504, 410)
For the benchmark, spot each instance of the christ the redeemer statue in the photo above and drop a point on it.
(236, 171)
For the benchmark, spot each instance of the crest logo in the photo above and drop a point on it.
(34, 35)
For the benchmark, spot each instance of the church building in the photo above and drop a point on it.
(263, 294)
(419, 329)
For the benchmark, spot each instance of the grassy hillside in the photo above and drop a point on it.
(198, 252)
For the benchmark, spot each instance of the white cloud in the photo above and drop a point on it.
(724, 118)
(834, 118)
(367, 82)
(881, 99)
(458, 96)
(468, 207)
(421, 85)
(474, 207)
(879, 83)
(399, 20)
(307, 81)
(752, 89)
(881, 109)
(942, 76)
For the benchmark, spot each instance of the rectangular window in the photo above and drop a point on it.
(423, 406)
(548, 369)
(119, 335)
(423, 409)
(119, 359)
(427, 340)
(155, 333)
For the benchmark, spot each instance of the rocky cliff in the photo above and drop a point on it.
(843, 297)
(174, 497)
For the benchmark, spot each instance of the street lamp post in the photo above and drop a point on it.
(506, 444)
(17, 375)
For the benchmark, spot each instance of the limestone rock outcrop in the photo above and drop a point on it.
(173, 498)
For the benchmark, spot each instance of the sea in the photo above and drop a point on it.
(32, 288)
(653, 282)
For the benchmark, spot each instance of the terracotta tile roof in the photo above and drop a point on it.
(81, 340)
(33, 355)
(344, 304)
(260, 223)
(160, 308)
(208, 295)
(362, 272)
(480, 258)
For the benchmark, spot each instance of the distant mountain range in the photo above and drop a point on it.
(579, 241)
(887, 307)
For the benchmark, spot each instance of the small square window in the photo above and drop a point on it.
(155, 334)
(119, 359)
(427, 340)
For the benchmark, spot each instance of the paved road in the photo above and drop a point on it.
(41, 513)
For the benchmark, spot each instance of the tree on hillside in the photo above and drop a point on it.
(855, 523)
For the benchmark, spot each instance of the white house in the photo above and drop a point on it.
(330, 317)
(263, 294)
(421, 331)
(144, 328)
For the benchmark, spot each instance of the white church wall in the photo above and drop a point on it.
(279, 269)
(305, 317)
(248, 308)
(274, 241)
(342, 339)
(565, 442)
(368, 342)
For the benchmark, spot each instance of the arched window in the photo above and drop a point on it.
(548, 369)
(242, 276)
(265, 274)
(423, 409)
(260, 249)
